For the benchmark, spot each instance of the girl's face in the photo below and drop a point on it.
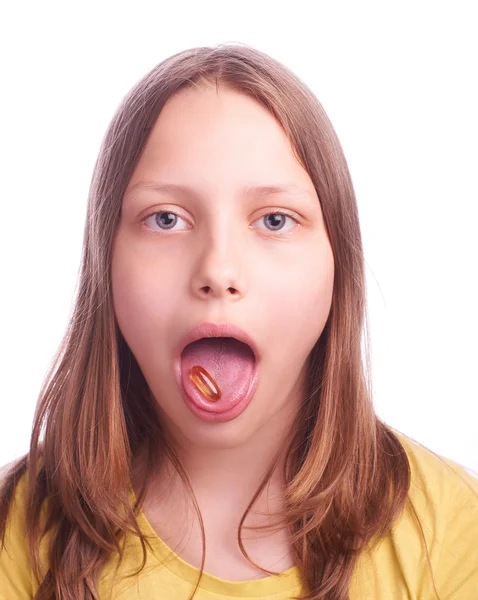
(222, 259)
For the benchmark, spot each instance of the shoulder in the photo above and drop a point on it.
(16, 518)
(443, 496)
(15, 572)
(437, 480)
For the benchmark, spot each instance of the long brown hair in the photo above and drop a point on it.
(347, 474)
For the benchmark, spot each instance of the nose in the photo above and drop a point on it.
(216, 290)
(218, 269)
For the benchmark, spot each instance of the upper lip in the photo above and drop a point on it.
(209, 330)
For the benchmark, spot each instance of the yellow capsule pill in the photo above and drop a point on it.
(205, 383)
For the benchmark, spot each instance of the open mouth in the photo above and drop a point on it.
(217, 373)
(220, 346)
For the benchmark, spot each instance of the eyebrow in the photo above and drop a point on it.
(289, 189)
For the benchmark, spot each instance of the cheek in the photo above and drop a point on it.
(141, 295)
(304, 291)
(299, 305)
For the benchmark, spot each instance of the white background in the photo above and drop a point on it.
(398, 81)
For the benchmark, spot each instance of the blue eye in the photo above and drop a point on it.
(164, 219)
(167, 219)
(276, 220)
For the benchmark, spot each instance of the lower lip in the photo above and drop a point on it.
(218, 417)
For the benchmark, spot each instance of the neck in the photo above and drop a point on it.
(225, 480)
(231, 476)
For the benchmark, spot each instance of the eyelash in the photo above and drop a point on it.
(274, 212)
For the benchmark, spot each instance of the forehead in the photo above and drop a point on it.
(207, 119)
(222, 134)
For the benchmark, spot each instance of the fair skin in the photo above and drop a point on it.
(222, 261)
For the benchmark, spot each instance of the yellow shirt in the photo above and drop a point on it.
(395, 569)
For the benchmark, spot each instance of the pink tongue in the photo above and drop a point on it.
(228, 361)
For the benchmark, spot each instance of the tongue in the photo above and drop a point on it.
(229, 362)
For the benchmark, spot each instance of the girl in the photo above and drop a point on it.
(212, 380)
